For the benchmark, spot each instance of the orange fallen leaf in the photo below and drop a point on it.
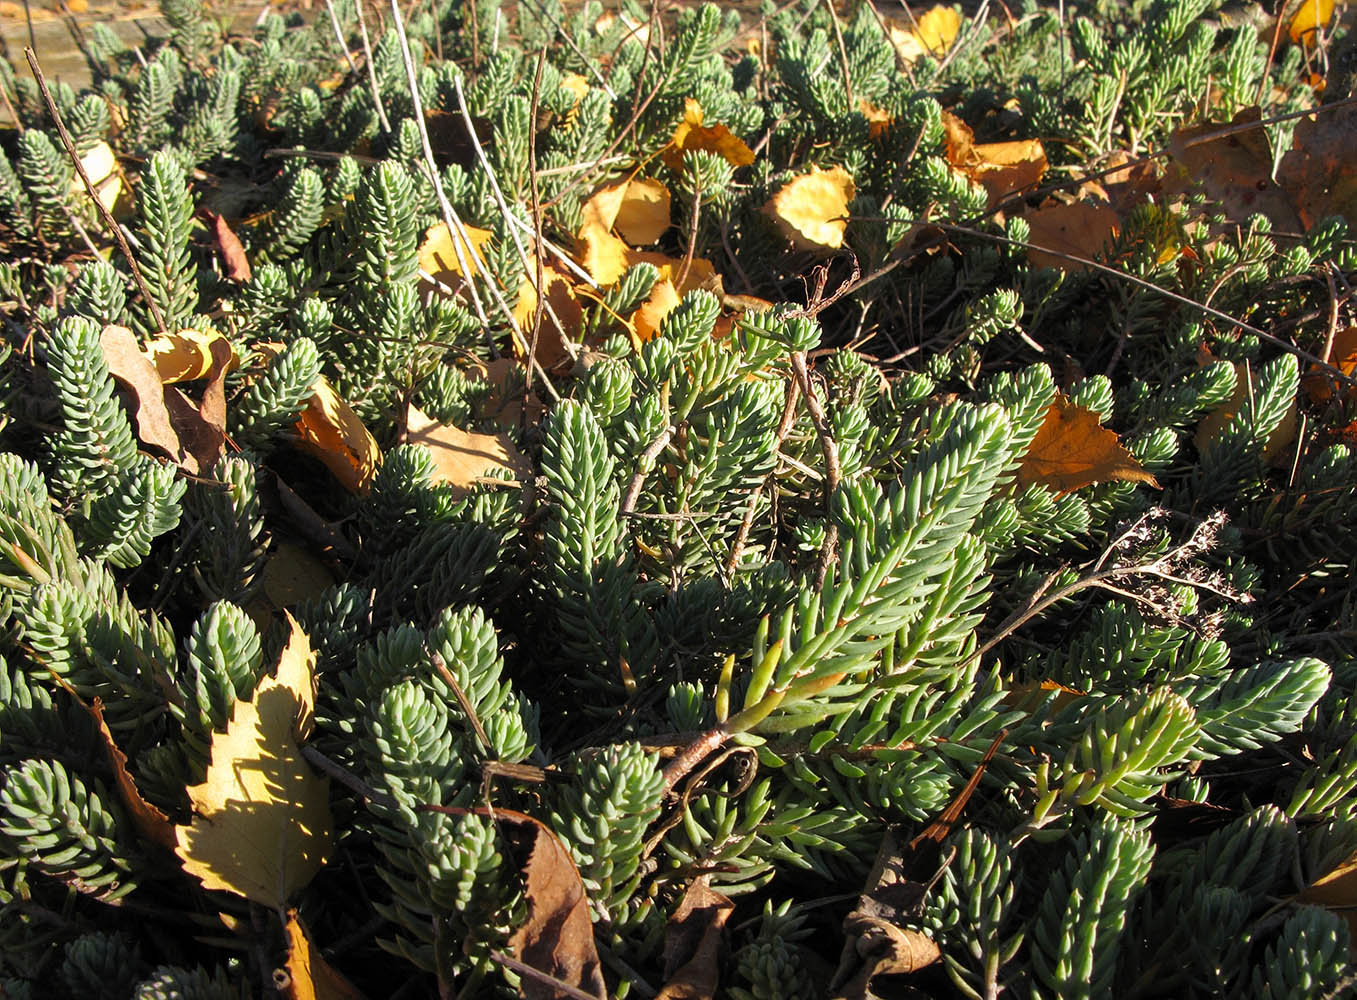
(648, 315)
(878, 119)
(558, 936)
(812, 210)
(692, 944)
(438, 252)
(692, 134)
(309, 976)
(699, 272)
(1313, 15)
(1002, 168)
(1343, 356)
(934, 32)
(133, 369)
(1211, 425)
(150, 822)
(1336, 890)
(330, 430)
(231, 249)
(464, 458)
(1073, 450)
(637, 209)
(210, 436)
(1081, 228)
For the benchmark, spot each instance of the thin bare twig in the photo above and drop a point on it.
(468, 709)
(536, 194)
(352, 782)
(560, 986)
(339, 36)
(104, 213)
(833, 470)
(843, 53)
(642, 467)
(372, 70)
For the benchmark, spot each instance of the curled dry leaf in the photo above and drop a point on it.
(463, 458)
(558, 936)
(438, 252)
(187, 356)
(150, 822)
(231, 249)
(933, 34)
(692, 134)
(812, 210)
(262, 825)
(1081, 229)
(309, 976)
(1001, 168)
(330, 430)
(135, 372)
(1073, 450)
(692, 944)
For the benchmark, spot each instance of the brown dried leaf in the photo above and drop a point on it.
(309, 976)
(1215, 422)
(150, 822)
(231, 249)
(558, 937)
(1343, 356)
(562, 318)
(1234, 171)
(1337, 891)
(1317, 171)
(212, 409)
(134, 370)
(1073, 450)
(508, 404)
(1081, 229)
(462, 458)
(692, 944)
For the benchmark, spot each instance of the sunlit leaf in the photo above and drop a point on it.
(1073, 450)
(812, 210)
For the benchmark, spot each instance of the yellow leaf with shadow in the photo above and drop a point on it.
(262, 826)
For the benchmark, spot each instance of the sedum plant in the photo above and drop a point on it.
(670, 559)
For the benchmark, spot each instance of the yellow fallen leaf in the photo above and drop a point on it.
(576, 84)
(601, 253)
(878, 119)
(699, 273)
(438, 253)
(330, 430)
(186, 356)
(1313, 15)
(812, 210)
(292, 575)
(646, 319)
(562, 319)
(692, 134)
(1000, 167)
(309, 976)
(936, 29)
(1073, 450)
(643, 214)
(463, 458)
(1216, 421)
(102, 167)
(262, 826)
